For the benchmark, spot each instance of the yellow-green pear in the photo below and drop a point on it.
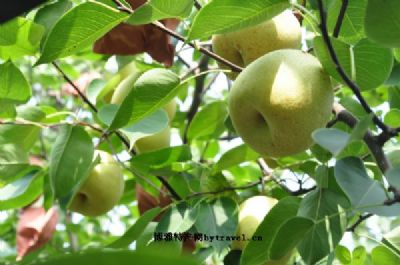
(170, 108)
(161, 139)
(124, 88)
(154, 142)
(108, 90)
(279, 100)
(102, 189)
(251, 213)
(246, 45)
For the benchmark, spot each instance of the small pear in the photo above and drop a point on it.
(102, 189)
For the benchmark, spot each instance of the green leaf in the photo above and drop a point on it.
(120, 257)
(394, 97)
(209, 121)
(13, 162)
(79, 28)
(159, 9)
(70, 162)
(160, 159)
(392, 118)
(382, 255)
(24, 136)
(258, 252)
(352, 29)
(152, 90)
(134, 232)
(222, 220)
(343, 254)
(152, 124)
(178, 218)
(393, 177)
(19, 37)
(49, 14)
(323, 207)
(7, 110)
(335, 141)
(382, 22)
(235, 156)
(365, 194)
(368, 64)
(331, 139)
(359, 256)
(14, 87)
(392, 239)
(213, 19)
(22, 191)
(288, 236)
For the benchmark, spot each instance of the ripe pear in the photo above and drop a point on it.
(382, 20)
(102, 189)
(251, 213)
(246, 45)
(124, 88)
(108, 90)
(154, 142)
(279, 100)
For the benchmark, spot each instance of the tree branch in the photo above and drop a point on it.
(376, 149)
(339, 22)
(197, 96)
(197, 4)
(353, 86)
(361, 219)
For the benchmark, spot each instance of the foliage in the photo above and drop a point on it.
(55, 111)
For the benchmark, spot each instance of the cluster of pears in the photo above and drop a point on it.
(104, 186)
(283, 94)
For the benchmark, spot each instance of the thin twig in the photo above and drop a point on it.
(361, 219)
(262, 180)
(353, 86)
(160, 26)
(339, 22)
(197, 96)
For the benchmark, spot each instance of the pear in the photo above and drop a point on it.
(102, 189)
(251, 213)
(246, 45)
(279, 100)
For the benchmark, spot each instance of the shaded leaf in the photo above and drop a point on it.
(365, 194)
(70, 162)
(135, 230)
